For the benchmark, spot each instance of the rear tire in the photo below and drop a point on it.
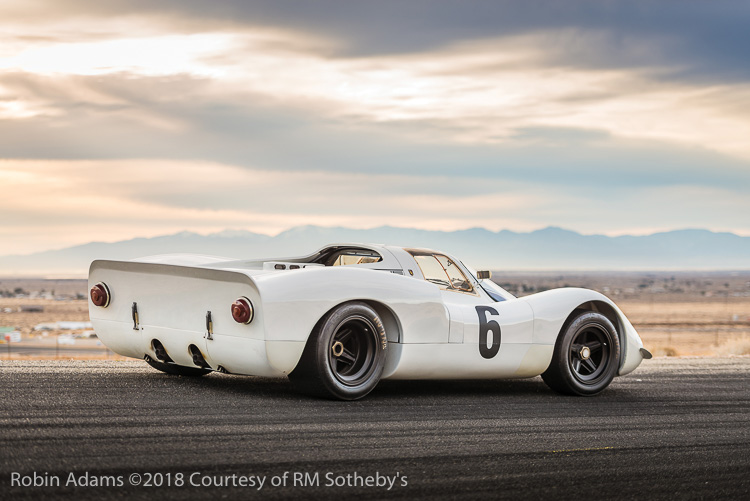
(586, 356)
(177, 370)
(345, 354)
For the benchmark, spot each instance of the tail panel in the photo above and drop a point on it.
(181, 308)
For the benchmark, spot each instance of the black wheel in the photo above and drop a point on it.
(345, 355)
(586, 356)
(177, 370)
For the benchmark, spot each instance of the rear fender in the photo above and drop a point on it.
(294, 302)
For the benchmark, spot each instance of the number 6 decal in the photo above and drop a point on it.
(485, 327)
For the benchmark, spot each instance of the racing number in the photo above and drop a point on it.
(485, 327)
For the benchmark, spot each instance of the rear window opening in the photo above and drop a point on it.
(347, 259)
(351, 256)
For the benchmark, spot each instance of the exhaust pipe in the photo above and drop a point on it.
(160, 352)
(198, 358)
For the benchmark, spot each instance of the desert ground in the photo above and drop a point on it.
(676, 313)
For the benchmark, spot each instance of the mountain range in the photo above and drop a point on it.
(546, 249)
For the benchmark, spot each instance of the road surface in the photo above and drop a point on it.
(674, 428)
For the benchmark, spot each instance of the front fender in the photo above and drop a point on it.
(552, 308)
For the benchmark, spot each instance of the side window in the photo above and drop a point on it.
(441, 270)
(432, 270)
(457, 278)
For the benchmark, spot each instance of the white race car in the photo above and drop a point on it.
(338, 321)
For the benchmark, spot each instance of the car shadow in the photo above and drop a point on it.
(387, 390)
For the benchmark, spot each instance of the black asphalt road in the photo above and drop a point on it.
(676, 428)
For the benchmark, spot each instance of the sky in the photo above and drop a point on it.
(123, 119)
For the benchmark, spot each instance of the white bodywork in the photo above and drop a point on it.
(432, 333)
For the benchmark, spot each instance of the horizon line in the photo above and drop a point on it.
(228, 230)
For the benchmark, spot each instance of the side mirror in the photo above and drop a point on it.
(481, 275)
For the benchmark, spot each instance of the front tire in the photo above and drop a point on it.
(586, 356)
(345, 355)
(177, 370)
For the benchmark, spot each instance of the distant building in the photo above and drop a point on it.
(67, 325)
(32, 308)
(63, 325)
(10, 335)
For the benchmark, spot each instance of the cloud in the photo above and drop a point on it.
(77, 201)
(705, 39)
(71, 202)
(263, 115)
(179, 117)
(487, 90)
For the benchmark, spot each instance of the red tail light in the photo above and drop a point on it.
(242, 311)
(100, 295)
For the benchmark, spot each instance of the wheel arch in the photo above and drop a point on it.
(319, 378)
(609, 312)
(390, 320)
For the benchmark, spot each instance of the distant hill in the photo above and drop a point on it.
(547, 249)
